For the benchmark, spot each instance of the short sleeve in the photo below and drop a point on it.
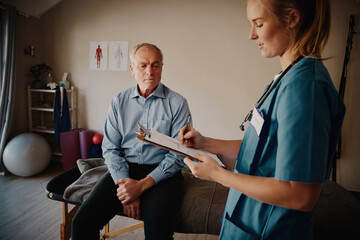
(304, 122)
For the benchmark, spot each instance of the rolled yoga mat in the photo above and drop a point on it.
(85, 143)
(70, 148)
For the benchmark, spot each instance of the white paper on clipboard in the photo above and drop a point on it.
(174, 145)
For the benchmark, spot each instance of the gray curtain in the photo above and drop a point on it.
(7, 82)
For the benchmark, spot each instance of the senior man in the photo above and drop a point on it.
(143, 180)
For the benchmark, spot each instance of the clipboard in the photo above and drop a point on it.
(155, 138)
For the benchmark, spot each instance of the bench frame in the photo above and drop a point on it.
(68, 215)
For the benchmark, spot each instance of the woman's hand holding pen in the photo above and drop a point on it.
(189, 137)
(206, 168)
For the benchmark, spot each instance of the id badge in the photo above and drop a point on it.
(257, 120)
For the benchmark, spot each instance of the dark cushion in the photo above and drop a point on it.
(57, 185)
(337, 215)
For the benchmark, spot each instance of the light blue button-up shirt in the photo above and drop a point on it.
(164, 110)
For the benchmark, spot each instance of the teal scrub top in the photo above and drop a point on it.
(303, 116)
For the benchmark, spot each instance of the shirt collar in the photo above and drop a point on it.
(159, 92)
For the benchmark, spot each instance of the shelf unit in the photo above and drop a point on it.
(41, 112)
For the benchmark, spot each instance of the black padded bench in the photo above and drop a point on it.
(201, 212)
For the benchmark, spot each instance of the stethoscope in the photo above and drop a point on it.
(267, 93)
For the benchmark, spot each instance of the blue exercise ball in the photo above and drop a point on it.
(27, 154)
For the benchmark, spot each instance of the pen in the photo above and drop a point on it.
(187, 126)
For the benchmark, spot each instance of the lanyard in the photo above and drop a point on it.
(267, 93)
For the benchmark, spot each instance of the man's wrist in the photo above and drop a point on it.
(147, 183)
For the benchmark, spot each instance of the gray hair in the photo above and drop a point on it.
(134, 50)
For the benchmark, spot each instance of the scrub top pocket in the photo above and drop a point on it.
(230, 231)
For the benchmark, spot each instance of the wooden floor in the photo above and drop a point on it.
(26, 212)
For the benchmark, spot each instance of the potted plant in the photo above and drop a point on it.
(37, 72)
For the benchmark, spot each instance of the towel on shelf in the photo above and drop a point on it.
(61, 113)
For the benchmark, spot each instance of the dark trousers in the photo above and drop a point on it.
(159, 206)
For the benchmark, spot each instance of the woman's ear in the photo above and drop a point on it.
(294, 18)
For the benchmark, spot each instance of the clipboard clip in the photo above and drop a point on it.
(143, 131)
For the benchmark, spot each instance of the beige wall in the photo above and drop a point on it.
(208, 59)
(28, 33)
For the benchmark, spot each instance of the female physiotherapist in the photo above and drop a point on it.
(287, 150)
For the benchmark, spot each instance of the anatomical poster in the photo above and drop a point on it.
(98, 56)
(118, 56)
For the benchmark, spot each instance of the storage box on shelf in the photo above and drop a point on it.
(41, 113)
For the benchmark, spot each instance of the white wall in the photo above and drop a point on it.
(208, 59)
